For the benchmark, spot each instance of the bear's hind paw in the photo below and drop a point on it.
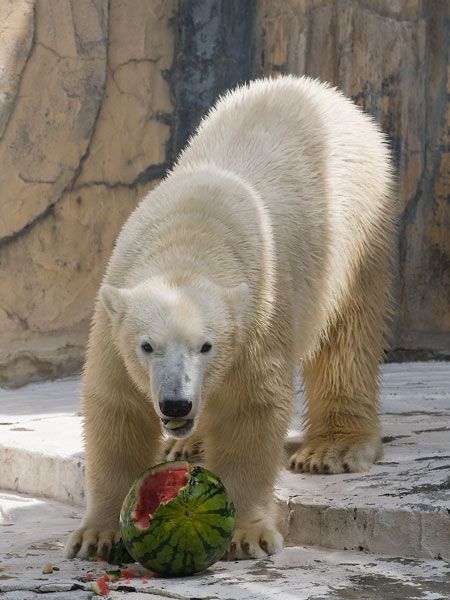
(338, 456)
(190, 449)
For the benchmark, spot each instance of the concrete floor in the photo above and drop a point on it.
(32, 532)
(394, 521)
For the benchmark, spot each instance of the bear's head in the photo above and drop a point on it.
(177, 342)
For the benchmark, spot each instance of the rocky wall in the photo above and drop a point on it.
(98, 97)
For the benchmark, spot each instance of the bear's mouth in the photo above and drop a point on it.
(178, 428)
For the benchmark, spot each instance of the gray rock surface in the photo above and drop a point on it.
(402, 507)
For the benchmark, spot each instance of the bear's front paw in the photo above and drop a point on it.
(190, 449)
(255, 539)
(92, 541)
(340, 454)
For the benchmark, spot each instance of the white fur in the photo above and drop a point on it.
(287, 170)
(270, 239)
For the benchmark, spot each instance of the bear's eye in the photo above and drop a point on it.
(147, 348)
(206, 348)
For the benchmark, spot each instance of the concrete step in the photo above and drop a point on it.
(402, 507)
(32, 531)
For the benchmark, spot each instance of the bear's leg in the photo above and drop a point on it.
(341, 384)
(122, 435)
(245, 448)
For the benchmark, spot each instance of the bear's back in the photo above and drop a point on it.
(322, 168)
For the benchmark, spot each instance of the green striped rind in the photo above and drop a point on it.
(187, 534)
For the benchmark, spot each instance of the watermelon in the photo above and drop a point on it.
(177, 519)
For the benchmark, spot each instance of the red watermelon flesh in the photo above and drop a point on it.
(157, 489)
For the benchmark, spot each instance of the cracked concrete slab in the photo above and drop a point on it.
(401, 507)
(32, 532)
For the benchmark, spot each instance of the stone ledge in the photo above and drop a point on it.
(401, 507)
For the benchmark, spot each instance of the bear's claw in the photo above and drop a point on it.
(337, 456)
(254, 541)
(190, 449)
(88, 542)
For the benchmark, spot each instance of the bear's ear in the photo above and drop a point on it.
(113, 300)
(238, 297)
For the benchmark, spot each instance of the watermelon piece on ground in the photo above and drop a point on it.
(100, 586)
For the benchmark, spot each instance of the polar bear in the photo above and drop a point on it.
(267, 247)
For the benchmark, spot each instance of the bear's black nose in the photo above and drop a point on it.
(175, 408)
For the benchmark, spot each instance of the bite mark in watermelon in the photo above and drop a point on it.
(158, 489)
(177, 519)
